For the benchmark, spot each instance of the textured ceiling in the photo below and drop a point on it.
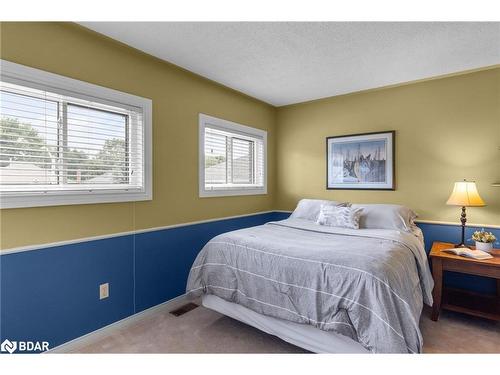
(289, 62)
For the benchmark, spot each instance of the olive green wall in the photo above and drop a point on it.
(446, 129)
(178, 96)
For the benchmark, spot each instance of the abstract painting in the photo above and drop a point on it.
(361, 161)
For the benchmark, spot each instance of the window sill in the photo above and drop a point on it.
(51, 199)
(232, 192)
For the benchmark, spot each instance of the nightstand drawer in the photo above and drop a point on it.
(475, 268)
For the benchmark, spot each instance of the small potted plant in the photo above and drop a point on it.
(484, 240)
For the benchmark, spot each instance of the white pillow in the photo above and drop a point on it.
(308, 209)
(386, 216)
(337, 216)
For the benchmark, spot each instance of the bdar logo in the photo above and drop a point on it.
(8, 346)
(24, 346)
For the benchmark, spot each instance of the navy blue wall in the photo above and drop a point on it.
(52, 294)
(163, 258)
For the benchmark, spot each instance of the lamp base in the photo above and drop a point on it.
(463, 220)
(462, 245)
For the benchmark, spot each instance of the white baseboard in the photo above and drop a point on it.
(84, 340)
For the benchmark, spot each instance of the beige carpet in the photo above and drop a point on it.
(205, 331)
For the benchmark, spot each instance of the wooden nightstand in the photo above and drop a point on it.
(459, 300)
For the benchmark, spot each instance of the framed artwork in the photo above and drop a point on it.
(361, 161)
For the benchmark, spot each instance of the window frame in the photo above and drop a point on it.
(42, 80)
(232, 127)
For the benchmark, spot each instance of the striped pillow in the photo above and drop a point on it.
(336, 216)
(308, 209)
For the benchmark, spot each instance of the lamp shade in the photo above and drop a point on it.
(465, 194)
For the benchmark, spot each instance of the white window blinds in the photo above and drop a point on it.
(233, 159)
(53, 143)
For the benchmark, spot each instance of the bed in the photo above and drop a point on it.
(326, 289)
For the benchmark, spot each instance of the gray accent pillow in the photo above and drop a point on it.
(386, 216)
(337, 216)
(309, 209)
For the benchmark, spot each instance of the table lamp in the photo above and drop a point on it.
(465, 195)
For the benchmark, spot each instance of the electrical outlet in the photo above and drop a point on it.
(104, 291)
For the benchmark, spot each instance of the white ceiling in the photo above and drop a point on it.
(289, 62)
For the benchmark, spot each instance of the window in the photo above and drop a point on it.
(232, 158)
(64, 141)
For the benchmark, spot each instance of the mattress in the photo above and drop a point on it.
(302, 335)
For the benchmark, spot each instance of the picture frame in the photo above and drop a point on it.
(363, 161)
